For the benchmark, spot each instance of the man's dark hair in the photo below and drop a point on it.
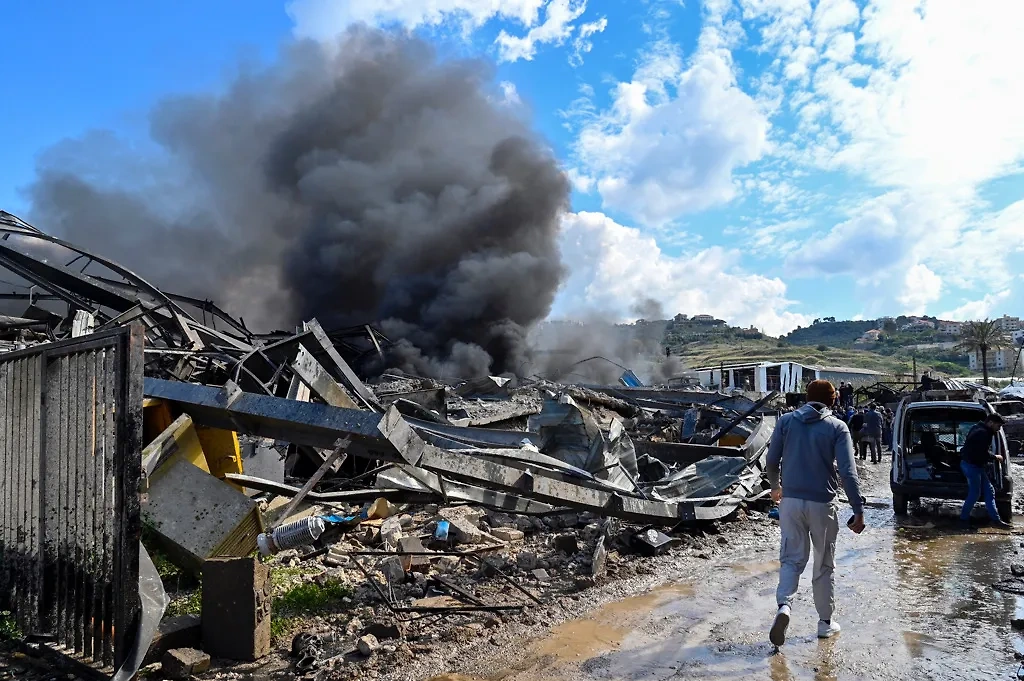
(995, 418)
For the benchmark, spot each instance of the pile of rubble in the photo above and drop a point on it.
(389, 493)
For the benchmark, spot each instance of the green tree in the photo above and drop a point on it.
(981, 337)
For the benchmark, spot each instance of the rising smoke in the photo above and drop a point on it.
(368, 182)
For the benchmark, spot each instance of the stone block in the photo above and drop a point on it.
(181, 663)
(236, 608)
(507, 534)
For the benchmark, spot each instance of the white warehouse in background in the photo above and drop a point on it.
(788, 377)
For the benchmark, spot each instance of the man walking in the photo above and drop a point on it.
(974, 458)
(808, 445)
(872, 436)
(856, 424)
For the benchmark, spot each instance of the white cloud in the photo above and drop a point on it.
(325, 19)
(557, 27)
(979, 309)
(831, 15)
(583, 43)
(841, 49)
(612, 265)
(674, 134)
(510, 93)
(921, 286)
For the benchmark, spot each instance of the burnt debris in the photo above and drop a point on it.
(314, 447)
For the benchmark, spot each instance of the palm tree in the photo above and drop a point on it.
(981, 337)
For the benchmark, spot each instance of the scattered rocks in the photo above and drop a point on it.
(181, 663)
(354, 625)
(1017, 569)
(405, 520)
(367, 645)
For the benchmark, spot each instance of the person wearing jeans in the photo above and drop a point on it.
(807, 447)
(975, 456)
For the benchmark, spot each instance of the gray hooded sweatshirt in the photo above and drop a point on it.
(810, 444)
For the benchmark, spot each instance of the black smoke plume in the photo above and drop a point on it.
(366, 181)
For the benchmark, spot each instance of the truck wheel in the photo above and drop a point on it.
(1005, 509)
(899, 504)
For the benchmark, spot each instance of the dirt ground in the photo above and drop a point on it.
(914, 599)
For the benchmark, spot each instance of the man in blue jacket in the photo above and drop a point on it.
(975, 456)
(806, 447)
(872, 435)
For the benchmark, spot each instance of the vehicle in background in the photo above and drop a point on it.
(1013, 411)
(927, 437)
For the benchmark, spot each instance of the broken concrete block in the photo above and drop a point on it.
(413, 563)
(464, 529)
(500, 520)
(525, 524)
(567, 543)
(391, 568)
(541, 575)
(507, 534)
(236, 608)
(391, 533)
(181, 663)
(336, 558)
(527, 560)
(406, 520)
(367, 645)
(174, 632)
(370, 535)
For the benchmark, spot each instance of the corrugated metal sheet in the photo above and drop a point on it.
(70, 466)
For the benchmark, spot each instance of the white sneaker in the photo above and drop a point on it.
(828, 629)
(777, 635)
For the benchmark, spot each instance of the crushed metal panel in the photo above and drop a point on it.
(70, 467)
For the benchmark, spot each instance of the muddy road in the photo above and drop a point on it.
(914, 599)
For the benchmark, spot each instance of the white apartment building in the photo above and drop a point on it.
(1009, 324)
(950, 328)
(998, 360)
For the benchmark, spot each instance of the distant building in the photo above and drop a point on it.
(1009, 324)
(949, 328)
(752, 332)
(871, 336)
(763, 377)
(680, 317)
(918, 325)
(703, 318)
(998, 360)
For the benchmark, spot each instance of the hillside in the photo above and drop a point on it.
(713, 351)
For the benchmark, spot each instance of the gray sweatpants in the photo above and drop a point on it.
(806, 523)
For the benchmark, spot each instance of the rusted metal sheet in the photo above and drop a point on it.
(70, 467)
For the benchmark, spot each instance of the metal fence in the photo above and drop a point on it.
(70, 464)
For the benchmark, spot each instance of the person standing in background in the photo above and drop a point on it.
(872, 436)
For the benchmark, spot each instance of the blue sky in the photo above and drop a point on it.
(768, 161)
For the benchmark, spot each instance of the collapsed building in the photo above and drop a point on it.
(130, 410)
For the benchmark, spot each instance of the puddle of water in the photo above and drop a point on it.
(756, 568)
(606, 627)
(601, 631)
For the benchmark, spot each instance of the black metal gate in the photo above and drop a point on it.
(70, 465)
